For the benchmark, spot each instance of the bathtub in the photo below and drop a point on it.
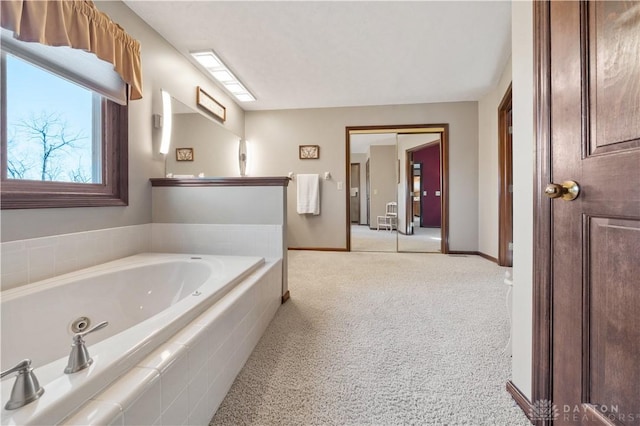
(156, 305)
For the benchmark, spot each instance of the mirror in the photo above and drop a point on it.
(200, 145)
(419, 193)
(373, 192)
(394, 189)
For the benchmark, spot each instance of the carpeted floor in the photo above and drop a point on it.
(381, 339)
(424, 240)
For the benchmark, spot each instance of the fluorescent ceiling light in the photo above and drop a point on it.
(245, 97)
(223, 76)
(221, 73)
(235, 87)
(207, 59)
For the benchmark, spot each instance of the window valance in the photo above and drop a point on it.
(80, 25)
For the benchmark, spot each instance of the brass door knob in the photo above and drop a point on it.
(568, 191)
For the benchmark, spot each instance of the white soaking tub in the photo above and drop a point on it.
(146, 299)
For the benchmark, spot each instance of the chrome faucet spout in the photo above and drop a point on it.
(79, 358)
(26, 388)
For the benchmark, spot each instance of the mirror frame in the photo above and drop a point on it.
(443, 129)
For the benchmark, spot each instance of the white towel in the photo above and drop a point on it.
(308, 194)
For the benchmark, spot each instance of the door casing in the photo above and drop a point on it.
(505, 163)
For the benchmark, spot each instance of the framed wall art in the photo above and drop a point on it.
(208, 103)
(184, 154)
(309, 152)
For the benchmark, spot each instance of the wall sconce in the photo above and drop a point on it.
(243, 157)
(166, 122)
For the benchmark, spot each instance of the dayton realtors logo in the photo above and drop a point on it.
(576, 413)
(546, 410)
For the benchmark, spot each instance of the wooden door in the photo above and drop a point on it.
(368, 187)
(595, 239)
(354, 197)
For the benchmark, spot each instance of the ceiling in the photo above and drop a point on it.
(302, 54)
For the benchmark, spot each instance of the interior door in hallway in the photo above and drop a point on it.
(354, 196)
(595, 272)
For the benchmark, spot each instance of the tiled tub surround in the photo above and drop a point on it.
(158, 321)
(36, 259)
(32, 260)
(240, 215)
(184, 381)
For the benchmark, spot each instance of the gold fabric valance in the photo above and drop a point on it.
(80, 25)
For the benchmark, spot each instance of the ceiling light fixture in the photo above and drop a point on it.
(221, 73)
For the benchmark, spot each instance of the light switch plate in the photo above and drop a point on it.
(437, 193)
(340, 185)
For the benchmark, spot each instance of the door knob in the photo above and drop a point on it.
(568, 191)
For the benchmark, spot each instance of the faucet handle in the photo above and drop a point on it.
(26, 388)
(79, 358)
(22, 365)
(78, 336)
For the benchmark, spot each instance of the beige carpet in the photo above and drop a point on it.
(381, 339)
(424, 240)
(365, 239)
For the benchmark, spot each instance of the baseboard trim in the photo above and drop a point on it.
(318, 248)
(471, 253)
(475, 253)
(489, 258)
(286, 296)
(522, 401)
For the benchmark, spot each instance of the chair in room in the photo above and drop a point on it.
(390, 218)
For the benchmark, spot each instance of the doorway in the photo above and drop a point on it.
(414, 176)
(423, 231)
(505, 162)
(354, 192)
(394, 194)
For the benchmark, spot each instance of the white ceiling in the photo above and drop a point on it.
(303, 54)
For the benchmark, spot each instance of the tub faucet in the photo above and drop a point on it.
(26, 388)
(79, 358)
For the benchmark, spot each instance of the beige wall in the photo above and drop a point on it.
(523, 161)
(488, 165)
(163, 68)
(275, 136)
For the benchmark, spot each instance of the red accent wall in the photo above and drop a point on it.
(430, 159)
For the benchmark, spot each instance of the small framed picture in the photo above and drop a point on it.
(207, 102)
(184, 154)
(309, 152)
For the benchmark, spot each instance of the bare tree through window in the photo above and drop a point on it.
(56, 145)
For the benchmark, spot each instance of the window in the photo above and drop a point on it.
(53, 127)
(63, 144)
